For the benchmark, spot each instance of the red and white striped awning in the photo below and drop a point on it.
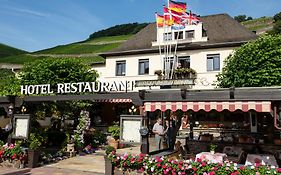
(116, 100)
(259, 106)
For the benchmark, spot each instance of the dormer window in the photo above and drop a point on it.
(178, 35)
(167, 36)
(189, 34)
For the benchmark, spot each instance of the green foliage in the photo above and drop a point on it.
(123, 29)
(242, 18)
(8, 51)
(114, 130)
(276, 28)
(35, 141)
(213, 147)
(277, 17)
(1, 143)
(109, 150)
(255, 64)
(53, 71)
(9, 84)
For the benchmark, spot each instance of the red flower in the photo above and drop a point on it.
(198, 160)
(164, 166)
(279, 170)
(141, 169)
(242, 168)
(158, 164)
(194, 169)
(212, 173)
(179, 166)
(14, 156)
(203, 164)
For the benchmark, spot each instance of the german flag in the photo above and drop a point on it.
(159, 20)
(177, 6)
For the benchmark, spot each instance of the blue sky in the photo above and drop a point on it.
(38, 24)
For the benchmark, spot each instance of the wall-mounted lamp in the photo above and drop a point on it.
(11, 110)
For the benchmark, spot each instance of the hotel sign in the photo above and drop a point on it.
(145, 83)
(80, 87)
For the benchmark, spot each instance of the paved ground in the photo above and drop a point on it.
(80, 165)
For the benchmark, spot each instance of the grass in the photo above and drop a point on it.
(8, 51)
(109, 39)
(79, 49)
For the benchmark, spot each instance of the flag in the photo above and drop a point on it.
(159, 20)
(175, 16)
(168, 20)
(191, 18)
(177, 6)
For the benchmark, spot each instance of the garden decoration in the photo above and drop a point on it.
(114, 130)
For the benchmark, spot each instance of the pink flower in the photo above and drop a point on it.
(279, 170)
(203, 164)
(212, 173)
(242, 168)
(198, 160)
(158, 164)
(194, 169)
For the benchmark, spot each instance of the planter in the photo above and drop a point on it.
(212, 152)
(109, 168)
(33, 158)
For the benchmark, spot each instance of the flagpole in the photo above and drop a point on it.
(158, 40)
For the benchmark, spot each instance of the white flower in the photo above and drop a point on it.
(272, 167)
(152, 169)
(252, 167)
(146, 167)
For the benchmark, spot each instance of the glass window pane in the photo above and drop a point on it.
(209, 64)
(143, 66)
(184, 62)
(120, 68)
(217, 63)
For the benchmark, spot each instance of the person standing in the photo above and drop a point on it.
(158, 130)
(169, 132)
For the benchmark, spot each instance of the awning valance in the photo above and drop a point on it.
(116, 100)
(259, 106)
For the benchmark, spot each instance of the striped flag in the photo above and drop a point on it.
(177, 6)
(159, 20)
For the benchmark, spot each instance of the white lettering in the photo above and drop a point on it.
(60, 88)
(73, 87)
(96, 86)
(66, 87)
(87, 87)
(23, 89)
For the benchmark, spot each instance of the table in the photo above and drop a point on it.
(213, 158)
(266, 159)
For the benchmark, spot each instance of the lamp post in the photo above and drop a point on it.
(9, 128)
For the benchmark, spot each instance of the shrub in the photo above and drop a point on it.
(109, 150)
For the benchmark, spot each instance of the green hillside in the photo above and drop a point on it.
(8, 51)
(260, 25)
(88, 50)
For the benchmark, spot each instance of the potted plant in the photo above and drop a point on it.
(159, 74)
(35, 142)
(114, 130)
(109, 168)
(213, 148)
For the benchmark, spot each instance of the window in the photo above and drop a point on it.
(179, 35)
(120, 68)
(143, 66)
(184, 61)
(168, 63)
(213, 62)
(189, 34)
(167, 36)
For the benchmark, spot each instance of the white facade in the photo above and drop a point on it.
(201, 60)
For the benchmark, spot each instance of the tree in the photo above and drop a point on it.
(255, 64)
(277, 17)
(9, 84)
(52, 71)
(242, 18)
